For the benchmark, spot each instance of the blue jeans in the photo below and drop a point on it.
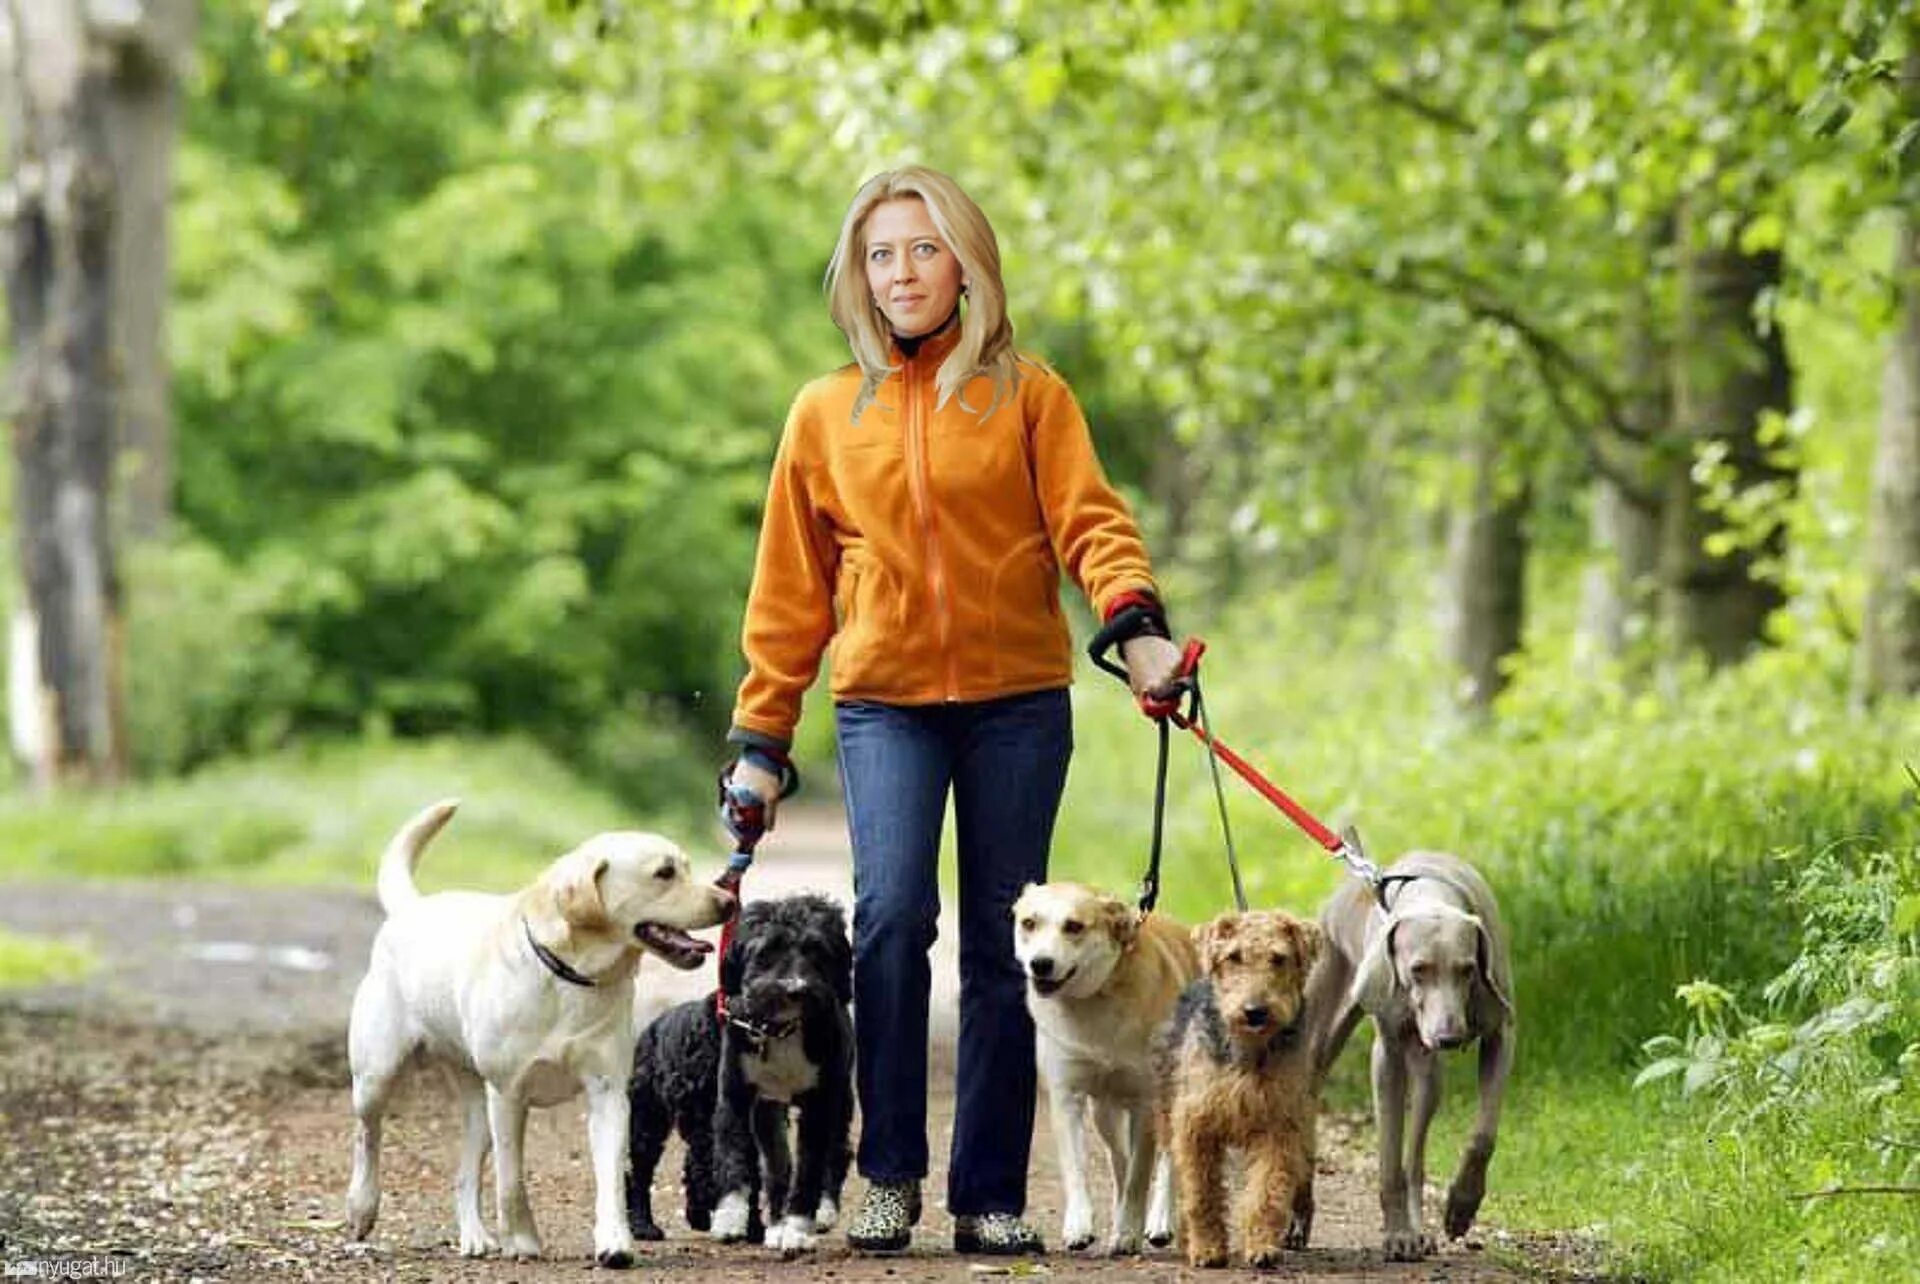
(1006, 762)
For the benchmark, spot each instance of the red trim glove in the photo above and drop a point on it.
(1152, 660)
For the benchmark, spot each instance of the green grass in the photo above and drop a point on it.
(322, 814)
(37, 960)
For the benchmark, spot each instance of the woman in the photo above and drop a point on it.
(922, 503)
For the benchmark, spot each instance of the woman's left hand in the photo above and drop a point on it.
(1153, 665)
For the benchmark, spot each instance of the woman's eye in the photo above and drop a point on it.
(878, 256)
(926, 249)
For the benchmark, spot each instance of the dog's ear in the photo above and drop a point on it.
(1377, 981)
(1215, 938)
(1121, 920)
(576, 890)
(1491, 974)
(1019, 906)
(1309, 941)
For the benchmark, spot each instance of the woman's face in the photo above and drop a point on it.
(911, 272)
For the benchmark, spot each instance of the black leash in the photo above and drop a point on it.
(1150, 885)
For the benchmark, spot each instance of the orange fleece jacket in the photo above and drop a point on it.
(925, 545)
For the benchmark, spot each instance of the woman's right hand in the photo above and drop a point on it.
(760, 776)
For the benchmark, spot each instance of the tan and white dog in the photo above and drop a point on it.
(1101, 978)
(527, 999)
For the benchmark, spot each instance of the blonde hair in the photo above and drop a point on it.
(986, 336)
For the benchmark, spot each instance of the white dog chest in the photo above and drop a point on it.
(779, 1069)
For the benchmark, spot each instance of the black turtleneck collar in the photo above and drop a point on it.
(910, 346)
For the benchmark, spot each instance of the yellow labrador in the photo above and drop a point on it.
(527, 998)
(1101, 978)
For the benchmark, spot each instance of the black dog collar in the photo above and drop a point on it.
(554, 963)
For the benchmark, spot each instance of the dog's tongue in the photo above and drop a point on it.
(675, 946)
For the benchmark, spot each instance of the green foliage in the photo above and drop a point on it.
(1818, 1090)
(37, 960)
(212, 675)
(475, 407)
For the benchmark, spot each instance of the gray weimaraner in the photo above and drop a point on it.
(1431, 970)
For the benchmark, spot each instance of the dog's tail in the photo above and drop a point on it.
(403, 853)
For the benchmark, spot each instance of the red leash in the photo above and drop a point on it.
(1163, 710)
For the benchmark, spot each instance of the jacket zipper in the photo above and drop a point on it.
(923, 488)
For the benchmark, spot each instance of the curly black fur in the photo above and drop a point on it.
(790, 962)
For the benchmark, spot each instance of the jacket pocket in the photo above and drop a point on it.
(1029, 635)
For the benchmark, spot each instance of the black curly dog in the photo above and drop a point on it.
(788, 1040)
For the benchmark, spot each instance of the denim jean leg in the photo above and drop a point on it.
(895, 768)
(1008, 777)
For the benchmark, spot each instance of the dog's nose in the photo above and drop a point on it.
(794, 985)
(1041, 967)
(1255, 1015)
(1448, 1040)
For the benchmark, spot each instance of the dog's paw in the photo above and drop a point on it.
(1406, 1246)
(1076, 1228)
(648, 1231)
(614, 1259)
(1124, 1244)
(1264, 1258)
(793, 1236)
(476, 1241)
(1463, 1204)
(826, 1216)
(362, 1211)
(522, 1247)
(1160, 1239)
(1211, 1259)
(731, 1218)
(1299, 1228)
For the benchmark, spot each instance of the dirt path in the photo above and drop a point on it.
(183, 1111)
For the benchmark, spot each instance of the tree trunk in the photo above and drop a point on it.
(1486, 577)
(65, 678)
(142, 114)
(1729, 371)
(1623, 523)
(1888, 661)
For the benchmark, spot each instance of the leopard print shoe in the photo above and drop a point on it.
(997, 1235)
(886, 1218)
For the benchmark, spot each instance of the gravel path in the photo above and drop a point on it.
(182, 1113)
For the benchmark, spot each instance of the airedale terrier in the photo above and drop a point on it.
(1234, 1071)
